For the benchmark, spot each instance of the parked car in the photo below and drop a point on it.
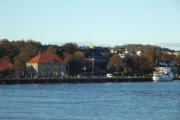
(109, 75)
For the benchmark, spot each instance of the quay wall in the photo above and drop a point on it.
(70, 80)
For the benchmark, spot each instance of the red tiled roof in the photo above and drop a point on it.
(45, 58)
(4, 64)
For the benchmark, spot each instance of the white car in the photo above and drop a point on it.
(109, 75)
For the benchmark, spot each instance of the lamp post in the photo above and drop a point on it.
(68, 70)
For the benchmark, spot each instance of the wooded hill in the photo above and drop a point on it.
(136, 47)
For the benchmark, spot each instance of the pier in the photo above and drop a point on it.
(72, 80)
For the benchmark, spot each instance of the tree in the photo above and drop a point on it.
(166, 57)
(8, 73)
(26, 53)
(152, 57)
(7, 48)
(139, 64)
(7, 58)
(115, 63)
(51, 49)
(68, 48)
(158, 54)
(2, 51)
(18, 52)
(75, 62)
(177, 62)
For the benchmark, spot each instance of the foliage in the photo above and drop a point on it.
(177, 60)
(52, 49)
(19, 52)
(67, 49)
(7, 58)
(7, 74)
(75, 62)
(136, 47)
(26, 53)
(115, 63)
(139, 64)
(166, 57)
(151, 57)
(7, 49)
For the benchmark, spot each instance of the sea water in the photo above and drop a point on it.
(102, 101)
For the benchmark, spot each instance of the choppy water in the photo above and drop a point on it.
(107, 101)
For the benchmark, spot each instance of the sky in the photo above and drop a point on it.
(98, 22)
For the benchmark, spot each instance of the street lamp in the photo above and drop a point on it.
(68, 70)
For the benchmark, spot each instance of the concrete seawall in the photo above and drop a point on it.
(71, 80)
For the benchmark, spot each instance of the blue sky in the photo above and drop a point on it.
(99, 22)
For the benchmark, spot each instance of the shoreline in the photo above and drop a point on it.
(71, 80)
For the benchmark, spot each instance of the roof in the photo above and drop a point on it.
(4, 64)
(45, 58)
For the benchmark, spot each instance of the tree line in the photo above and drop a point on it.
(19, 52)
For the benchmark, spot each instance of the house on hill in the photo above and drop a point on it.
(45, 65)
(6, 67)
(168, 63)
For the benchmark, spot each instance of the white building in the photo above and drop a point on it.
(46, 65)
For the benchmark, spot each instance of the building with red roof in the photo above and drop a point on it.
(46, 65)
(6, 65)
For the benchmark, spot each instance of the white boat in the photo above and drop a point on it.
(163, 74)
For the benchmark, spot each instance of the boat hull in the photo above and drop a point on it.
(163, 79)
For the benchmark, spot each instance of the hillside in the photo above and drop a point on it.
(136, 47)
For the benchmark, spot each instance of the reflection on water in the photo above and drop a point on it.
(108, 101)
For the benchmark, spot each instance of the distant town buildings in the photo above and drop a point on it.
(45, 65)
(139, 53)
(168, 63)
(125, 53)
(165, 63)
(96, 57)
